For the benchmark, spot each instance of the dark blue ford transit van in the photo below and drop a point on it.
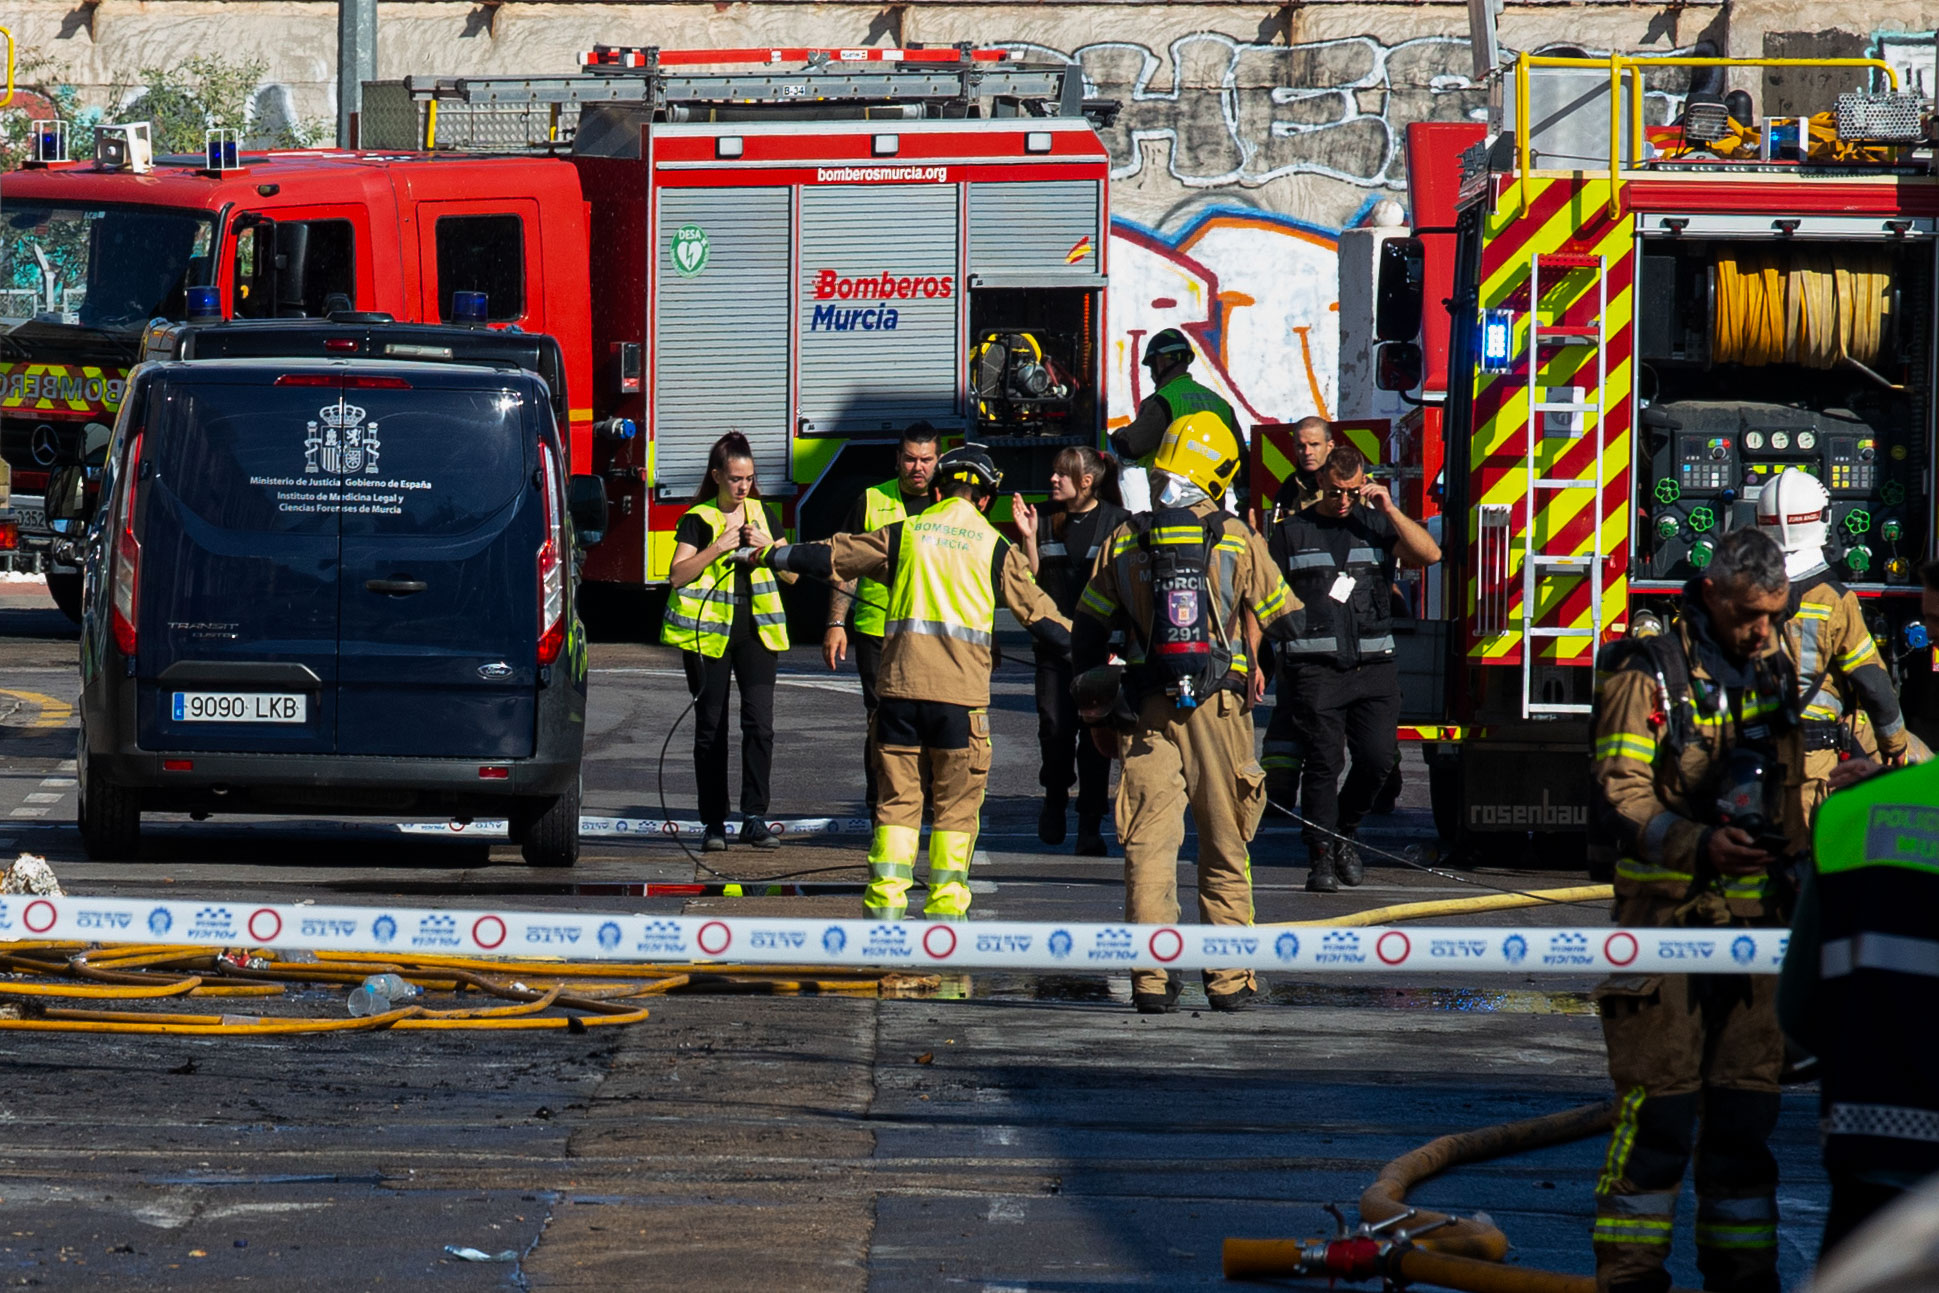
(339, 587)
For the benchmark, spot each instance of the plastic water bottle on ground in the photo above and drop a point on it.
(379, 993)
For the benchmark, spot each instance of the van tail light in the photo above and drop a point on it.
(127, 558)
(552, 567)
(9, 536)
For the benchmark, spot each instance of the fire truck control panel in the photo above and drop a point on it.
(1763, 353)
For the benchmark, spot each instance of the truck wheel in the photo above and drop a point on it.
(109, 817)
(66, 592)
(551, 838)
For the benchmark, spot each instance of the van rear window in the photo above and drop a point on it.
(283, 459)
(449, 459)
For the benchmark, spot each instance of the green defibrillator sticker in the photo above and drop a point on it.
(690, 250)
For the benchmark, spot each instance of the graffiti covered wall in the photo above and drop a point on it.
(1248, 134)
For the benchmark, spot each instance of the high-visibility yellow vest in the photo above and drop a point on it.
(881, 505)
(700, 614)
(942, 578)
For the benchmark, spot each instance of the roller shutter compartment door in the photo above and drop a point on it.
(1048, 231)
(720, 339)
(878, 311)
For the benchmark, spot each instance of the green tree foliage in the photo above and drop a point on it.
(184, 102)
(180, 103)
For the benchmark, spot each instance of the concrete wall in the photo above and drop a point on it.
(1250, 133)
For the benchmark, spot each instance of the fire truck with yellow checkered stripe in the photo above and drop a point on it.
(1625, 304)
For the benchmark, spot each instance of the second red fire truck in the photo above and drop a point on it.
(813, 247)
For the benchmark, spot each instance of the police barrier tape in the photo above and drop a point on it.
(652, 827)
(1011, 945)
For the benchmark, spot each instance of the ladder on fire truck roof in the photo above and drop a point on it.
(1538, 563)
(942, 82)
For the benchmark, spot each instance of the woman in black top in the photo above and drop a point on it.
(729, 624)
(1084, 483)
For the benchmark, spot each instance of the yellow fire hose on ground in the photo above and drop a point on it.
(543, 993)
(1408, 1246)
(1404, 1245)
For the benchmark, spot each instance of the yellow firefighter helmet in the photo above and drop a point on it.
(1201, 448)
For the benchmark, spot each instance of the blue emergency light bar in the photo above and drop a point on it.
(1497, 341)
(204, 304)
(469, 308)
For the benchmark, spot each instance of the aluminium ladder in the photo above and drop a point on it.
(1540, 564)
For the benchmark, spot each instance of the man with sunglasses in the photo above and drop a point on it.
(1338, 677)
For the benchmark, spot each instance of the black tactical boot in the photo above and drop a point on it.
(1322, 878)
(1050, 821)
(1090, 837)
(1159, 1003)
(1347, 863)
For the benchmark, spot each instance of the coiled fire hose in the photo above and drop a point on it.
(1403, 1245)
(1815, 308)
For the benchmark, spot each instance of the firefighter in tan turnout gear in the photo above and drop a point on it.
(1179, 579)
(945, 570)
(1840, 671)
(1695, 746)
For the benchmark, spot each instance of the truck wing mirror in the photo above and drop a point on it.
(1398, 366)
(1399, 289)
(586, 502)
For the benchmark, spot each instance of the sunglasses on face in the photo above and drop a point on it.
(1339, 491)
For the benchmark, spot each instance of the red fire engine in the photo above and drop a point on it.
(1643, 325)
(815, 253)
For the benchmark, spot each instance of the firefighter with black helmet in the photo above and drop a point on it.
(1694, 734)
(946, 570)
(1840, 672)
(1179, 580)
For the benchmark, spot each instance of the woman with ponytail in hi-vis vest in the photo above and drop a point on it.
(728, 623)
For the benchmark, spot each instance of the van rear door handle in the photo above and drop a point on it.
(395, 587)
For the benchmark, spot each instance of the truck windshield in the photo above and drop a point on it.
(110, 269)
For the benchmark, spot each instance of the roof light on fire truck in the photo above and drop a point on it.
(728, 146)
(470, 309)
(1497, 340)
(1036, 141)
(204, 304)
(887, 145)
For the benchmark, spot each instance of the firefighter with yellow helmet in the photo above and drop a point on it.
(945, 571)
(1840, 672)
(1179, 580)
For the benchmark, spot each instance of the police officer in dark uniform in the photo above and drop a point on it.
(1339, 677)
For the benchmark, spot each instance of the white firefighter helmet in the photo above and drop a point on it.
(1794, 507)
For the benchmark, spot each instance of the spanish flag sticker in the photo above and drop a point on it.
(1080, 250)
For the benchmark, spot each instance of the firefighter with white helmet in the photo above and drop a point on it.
(1838, 664)
(945, 571)
(1180, 580)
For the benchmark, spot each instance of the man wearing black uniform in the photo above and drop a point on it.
(1339, 675)
(861, 625)
(1282, 756)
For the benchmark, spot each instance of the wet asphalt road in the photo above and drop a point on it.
(1013, 1132)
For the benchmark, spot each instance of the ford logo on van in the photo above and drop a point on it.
(496, 672)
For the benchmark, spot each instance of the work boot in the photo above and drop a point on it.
(755, 834)
(1090, 838)
(1159, 1003)
(1227, 1002)
(1322, 878)
(1050, 819)
(1348, 866)
(715, 840)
